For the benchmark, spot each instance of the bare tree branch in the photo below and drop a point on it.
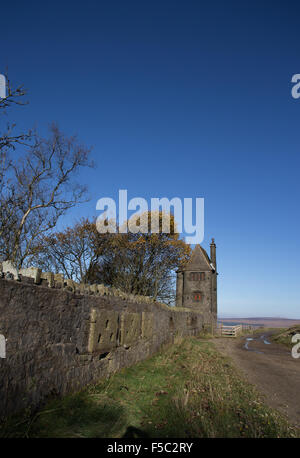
(40, 186)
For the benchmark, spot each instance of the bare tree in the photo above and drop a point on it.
(72, 251)
(8, 139)
(37, 187)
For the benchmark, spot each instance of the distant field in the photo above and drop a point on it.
(267, 322)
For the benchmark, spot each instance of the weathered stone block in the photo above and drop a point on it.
(49, 277)
(130, 328)
(32, 272)
(104, 330)
(93, 289)
(59, 280)
(147, 325)
(8, 266)
(69, 284)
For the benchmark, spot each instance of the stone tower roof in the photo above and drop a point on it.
(198, 261)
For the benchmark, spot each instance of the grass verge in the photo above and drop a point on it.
(284, 336)
(187, 390)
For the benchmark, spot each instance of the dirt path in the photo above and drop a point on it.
(270, 367)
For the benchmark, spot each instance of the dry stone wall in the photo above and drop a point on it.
(61, 336)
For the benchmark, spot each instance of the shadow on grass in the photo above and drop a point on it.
(86, 416)
(133, 432)
(74, 416)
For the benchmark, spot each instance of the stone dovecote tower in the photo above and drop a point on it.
(196, 286)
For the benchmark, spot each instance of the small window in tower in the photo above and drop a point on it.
(197, 276)
(197, 297)
(194, 276)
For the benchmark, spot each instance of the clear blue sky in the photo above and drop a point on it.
(179, 98)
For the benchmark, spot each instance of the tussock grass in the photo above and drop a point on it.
(284, 335)
(187, 390)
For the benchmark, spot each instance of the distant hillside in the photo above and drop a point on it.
(268, 322)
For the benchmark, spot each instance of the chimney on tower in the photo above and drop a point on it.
(213, 253)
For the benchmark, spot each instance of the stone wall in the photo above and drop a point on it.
(60, 339)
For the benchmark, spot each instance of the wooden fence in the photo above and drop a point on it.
(230, 331)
